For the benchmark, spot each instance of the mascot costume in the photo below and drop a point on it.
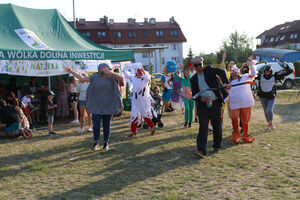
(141, 99)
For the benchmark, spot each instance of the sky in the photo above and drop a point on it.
(205, 23)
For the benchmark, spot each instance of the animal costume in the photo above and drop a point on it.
(240, 103)
(140, 100)
(167, 91)
(187, 96)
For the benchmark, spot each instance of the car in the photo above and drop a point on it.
(288, 82)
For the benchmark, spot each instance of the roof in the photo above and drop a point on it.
(90, 25)
(44, 34)
(281, 54)
(282, 28)
(139, 27)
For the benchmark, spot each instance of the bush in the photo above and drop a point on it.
(297, 68)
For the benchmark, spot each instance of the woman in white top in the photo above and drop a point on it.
(241, 101)
(82, 88)
(73, 98)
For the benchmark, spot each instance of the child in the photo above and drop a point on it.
(187, 95)
(50, 112)
(27, 101)
(156, 104)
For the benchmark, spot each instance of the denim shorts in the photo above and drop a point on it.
(13, 128)
(82, 103)
(167, 95)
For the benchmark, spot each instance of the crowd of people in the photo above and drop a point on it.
(199, 91)
(34, 103)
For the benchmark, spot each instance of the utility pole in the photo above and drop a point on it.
(74, 14)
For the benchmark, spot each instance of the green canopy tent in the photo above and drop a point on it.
(39, 42)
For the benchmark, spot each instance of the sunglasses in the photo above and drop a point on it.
(197, 65)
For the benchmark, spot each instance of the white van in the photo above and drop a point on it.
(288, 81)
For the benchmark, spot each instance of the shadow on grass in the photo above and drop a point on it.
(289, 112)
(132, 163)
(84, 145)
(133, 168)
(63, 129)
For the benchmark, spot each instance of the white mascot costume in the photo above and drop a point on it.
(141, 99)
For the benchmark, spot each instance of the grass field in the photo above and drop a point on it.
(162, 166)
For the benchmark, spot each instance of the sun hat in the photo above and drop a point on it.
(197, 60)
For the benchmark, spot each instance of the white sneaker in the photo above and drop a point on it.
(80, 130)
(272, 127)
(74, 122)
(210, 128)
(90, 130)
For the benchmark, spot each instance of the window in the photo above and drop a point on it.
(101, 34)
(117, 34)
(174, 47)
(293, 36)
(87, 34)
(173, 33)
(146, 55)
(132, 34)
(272, 39)
(266, 41)
(146, 34)
(159, 33)
(282, 37)
(162, 61)
(277, 39)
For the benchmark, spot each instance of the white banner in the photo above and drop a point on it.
(36, 67)
(90, 65)
(4, 66)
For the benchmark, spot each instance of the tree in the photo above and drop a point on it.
(189, 57)
(209, 59)
(237, 47)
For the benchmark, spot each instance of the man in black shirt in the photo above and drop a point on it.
(209, 102)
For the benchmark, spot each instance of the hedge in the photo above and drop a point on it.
(297, 68)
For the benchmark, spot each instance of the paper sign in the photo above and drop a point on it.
(31, 39)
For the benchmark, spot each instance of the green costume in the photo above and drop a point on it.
(187, 97)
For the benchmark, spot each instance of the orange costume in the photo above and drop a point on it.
(240, 103)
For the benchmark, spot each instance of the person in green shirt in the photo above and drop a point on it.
(187, 95)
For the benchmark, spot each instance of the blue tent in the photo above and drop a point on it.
(282, 54)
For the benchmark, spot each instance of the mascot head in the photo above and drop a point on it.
(171, 66)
